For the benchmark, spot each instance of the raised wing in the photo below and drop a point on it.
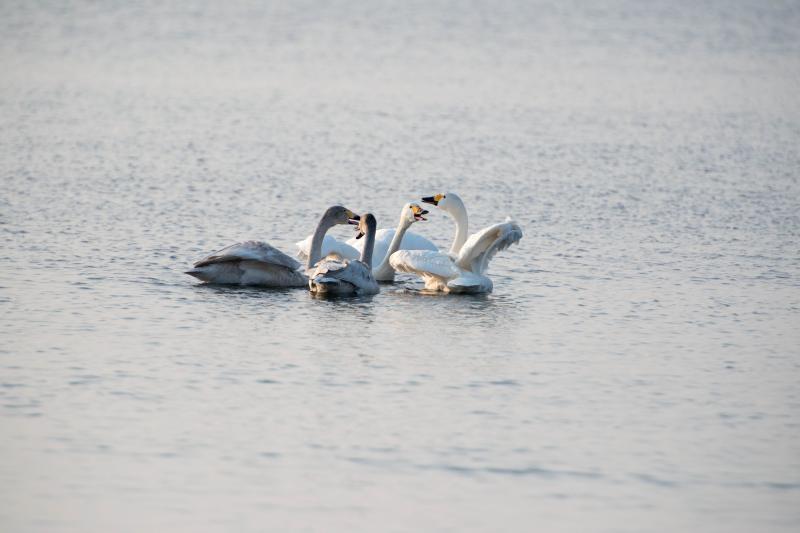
(424, 263)
(329, 245)
(250, 251)
(483, 245)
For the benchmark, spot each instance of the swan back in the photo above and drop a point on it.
(250, 251)
(356, 273)
(424, 262)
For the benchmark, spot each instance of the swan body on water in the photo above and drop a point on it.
(463, 268)
(259, 263)
(336, 276)
(393, 240)
(383, 242)
(351, 249)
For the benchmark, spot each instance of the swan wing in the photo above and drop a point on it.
(424, 263)
(330, 244)
(483, 245)
(329, 263)
(354, 272)
(250, 251)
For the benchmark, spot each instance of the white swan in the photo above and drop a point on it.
(335, 276)
(381, 269)
(463, 268)
(353, 247)
(259, 263)
(330, 245)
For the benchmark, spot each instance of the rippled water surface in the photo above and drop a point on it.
(635, 369)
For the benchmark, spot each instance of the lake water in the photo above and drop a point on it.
(635, 369)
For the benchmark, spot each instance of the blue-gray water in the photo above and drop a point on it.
(635, 369)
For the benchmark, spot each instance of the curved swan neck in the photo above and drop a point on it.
(315, 253)
(369, 242)
(459, 213)
(397, 240)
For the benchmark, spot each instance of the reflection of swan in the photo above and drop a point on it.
(463, 268)
(352, 248)
(336, 276)
(258, 263)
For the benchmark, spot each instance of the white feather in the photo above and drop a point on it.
(330, 244)
(383, 238)
(463, 271)
(482, 246)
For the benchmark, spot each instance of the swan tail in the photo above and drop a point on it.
(198, 273)
(470, 284)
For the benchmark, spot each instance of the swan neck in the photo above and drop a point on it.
(462, 225)
(369, 245)
(397, 240)
(315, 253)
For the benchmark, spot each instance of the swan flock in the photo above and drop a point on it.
(354, 267)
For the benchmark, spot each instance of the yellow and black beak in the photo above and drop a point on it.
(418, 212)
(435, 199)
(356, 221)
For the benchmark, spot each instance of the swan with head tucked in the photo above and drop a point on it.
(336, 276)
(259, 263)
(351, 249)
(463, 268)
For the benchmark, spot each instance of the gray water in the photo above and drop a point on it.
(635, 369)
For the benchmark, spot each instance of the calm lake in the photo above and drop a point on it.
(635, 369)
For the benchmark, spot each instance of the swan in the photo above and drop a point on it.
(330, 245)
(463, 268)
(335, 276)
(351, 249)
(410, 213)
(259, 263)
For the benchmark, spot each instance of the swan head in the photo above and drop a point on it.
(449, 201)
(412, 213)
(366, 223)
(338, 214)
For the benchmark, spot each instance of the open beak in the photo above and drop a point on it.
(430, 200)
(356, 221)
(418, 212)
